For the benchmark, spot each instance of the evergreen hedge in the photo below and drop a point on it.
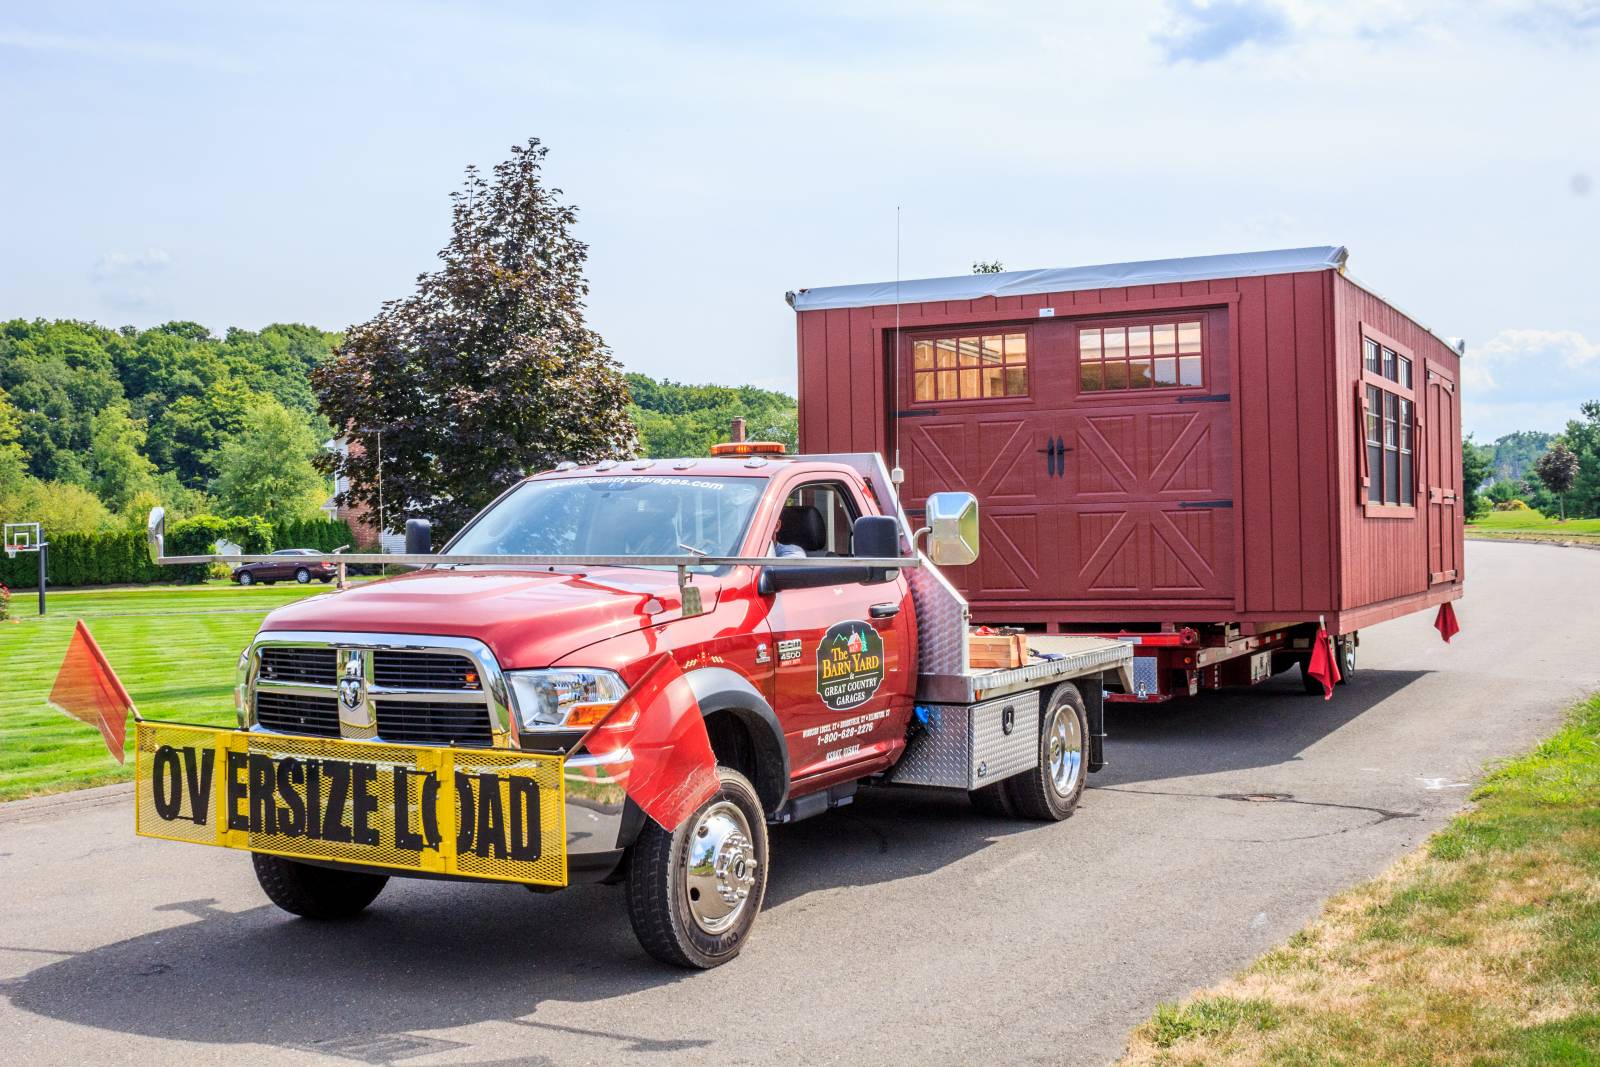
(121, 558)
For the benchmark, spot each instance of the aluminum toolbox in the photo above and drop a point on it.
(964, 746)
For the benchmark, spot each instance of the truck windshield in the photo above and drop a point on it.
(628, 515)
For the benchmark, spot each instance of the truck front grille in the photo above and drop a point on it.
(435, 691)
(291, 713)
(299, 666)
(423, 670)
(415, 722)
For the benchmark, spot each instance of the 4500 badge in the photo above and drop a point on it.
(849, 664)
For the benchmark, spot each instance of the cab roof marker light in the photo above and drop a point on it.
(683, 464)
(748, 448)
(566, 465)
(642, 464)
(605, 464)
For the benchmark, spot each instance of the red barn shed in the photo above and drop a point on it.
(1252, 439)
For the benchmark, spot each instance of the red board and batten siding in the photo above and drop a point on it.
(1386, 560)
(1290, 360)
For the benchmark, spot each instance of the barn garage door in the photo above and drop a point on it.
(1100, 450)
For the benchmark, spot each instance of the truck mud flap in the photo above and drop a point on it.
(1094, 702)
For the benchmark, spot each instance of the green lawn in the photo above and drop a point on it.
(1531, 524)
(1482, 948)
(174, 647)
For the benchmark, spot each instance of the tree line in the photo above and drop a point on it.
(1557, 474)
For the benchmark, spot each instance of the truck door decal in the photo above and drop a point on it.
(849, 664)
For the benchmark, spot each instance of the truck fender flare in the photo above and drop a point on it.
(718, 689)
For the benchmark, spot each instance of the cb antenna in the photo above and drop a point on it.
(897, 475)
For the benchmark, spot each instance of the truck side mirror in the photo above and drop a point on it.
(155, 534)
(419, 537)
(952, 528)
(875, 537)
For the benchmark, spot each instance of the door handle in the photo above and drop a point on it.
(884, 611)
(1049, 451)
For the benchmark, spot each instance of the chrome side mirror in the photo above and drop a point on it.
(155, 534)
(952, 528)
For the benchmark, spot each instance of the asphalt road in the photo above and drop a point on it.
(907, 928)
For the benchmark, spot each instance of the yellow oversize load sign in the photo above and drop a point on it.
(482, 813)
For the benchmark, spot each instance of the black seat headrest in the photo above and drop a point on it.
(801, 525)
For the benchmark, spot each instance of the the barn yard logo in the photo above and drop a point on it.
(849, 664)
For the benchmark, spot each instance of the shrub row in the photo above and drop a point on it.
(120, 557)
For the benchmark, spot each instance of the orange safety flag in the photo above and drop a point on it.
(664, 755)
(87, 688)
(1445, 622)
(1324, 665)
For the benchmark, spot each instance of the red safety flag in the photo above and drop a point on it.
(87, 689)
(1445, 622)
(664, 755)
(1324, 666)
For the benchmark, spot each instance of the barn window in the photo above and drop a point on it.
(980, 367)
(1389, 415)
(1156, 355)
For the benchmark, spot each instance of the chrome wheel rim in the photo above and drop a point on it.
(720, 867)
(1064, 750)
(1349, 664)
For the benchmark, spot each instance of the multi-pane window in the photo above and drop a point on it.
(1389, 426)
(1159, 355)
(970, 368)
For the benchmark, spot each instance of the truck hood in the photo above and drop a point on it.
(528, 618)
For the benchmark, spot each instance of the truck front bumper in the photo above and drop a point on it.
(491, 814)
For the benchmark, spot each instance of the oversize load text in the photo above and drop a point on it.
(342, 801)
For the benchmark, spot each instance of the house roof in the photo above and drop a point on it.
(1069, 279)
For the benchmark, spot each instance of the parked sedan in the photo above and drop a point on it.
(292, 565)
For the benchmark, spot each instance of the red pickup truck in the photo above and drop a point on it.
(824, 652)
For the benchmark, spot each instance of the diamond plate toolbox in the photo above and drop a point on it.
(492, 814)
(964, 746)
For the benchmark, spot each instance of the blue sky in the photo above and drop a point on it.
(242, 164)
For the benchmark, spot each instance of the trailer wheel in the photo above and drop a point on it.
(1050, 791)
(1344, 647)
(315, 892)
(694, 893)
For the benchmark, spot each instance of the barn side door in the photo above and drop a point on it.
(1443, 476)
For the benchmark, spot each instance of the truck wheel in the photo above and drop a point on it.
(1051, 790)
(302, 576)
(315, 892)
(694, 893)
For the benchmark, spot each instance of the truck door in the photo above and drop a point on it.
(843, 654)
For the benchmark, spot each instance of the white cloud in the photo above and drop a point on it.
(128, 282)
(1202, 30)
(1530, 352)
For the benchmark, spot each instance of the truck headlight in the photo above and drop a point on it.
(571, 698)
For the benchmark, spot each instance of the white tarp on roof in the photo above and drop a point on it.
(1069, 279)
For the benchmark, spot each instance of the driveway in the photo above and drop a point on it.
(907, 928)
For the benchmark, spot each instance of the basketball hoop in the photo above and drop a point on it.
(26, 537)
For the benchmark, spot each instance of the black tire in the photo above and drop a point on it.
(315, 892)
(991, 800)
(670, 925)
(325, 579)
(1050, 791)
(1344, 648)
(247, 578)
(1312, 686)
(302, 576)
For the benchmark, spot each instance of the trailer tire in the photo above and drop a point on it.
(676, 898)
(1050, 790)
(315, 892)
(992, 800)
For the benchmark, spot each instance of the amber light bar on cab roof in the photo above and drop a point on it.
(748, 448)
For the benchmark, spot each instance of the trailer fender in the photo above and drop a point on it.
(718, 689)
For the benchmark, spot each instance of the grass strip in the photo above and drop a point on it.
(1483, 947)
(174, 647)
